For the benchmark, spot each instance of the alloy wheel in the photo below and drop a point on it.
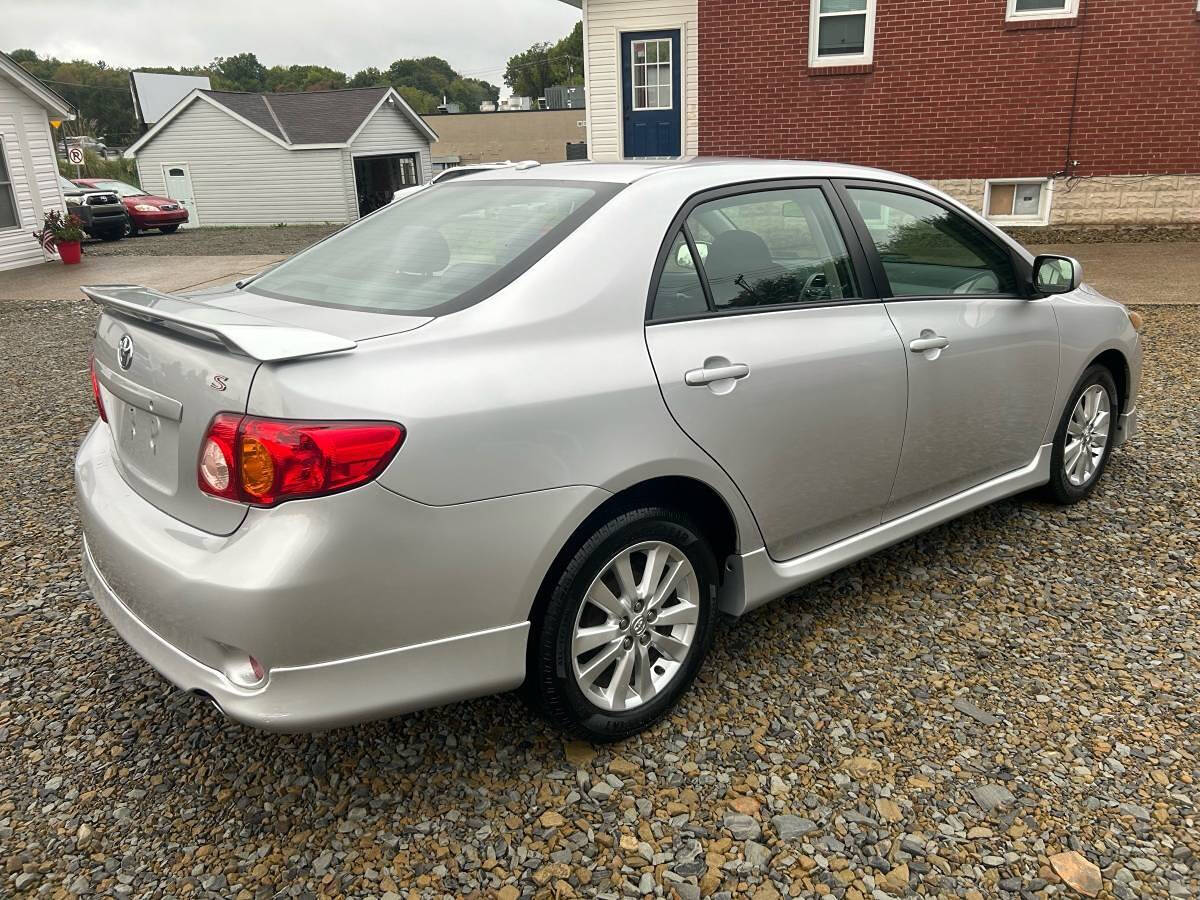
(635, 626)
(1087, 435)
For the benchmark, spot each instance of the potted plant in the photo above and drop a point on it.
(62, 234)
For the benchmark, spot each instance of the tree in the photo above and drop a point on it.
(542, 65)
(242, 72)
(304, 78)
(368, 77)
(433, 77)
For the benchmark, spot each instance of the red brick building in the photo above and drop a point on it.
(1037, 110)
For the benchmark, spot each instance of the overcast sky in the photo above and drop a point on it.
(475, 36)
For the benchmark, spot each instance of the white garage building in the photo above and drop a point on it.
(300, 158)
(28, 171)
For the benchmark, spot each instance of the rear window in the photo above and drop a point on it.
(439, 250)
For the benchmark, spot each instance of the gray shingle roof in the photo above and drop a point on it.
(316, 117)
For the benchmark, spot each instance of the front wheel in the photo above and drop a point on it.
(628, 622)
(1083, 441)
(111, 234)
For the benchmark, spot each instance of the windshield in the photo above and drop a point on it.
(69, 187)
(120, 188)
(439, 250)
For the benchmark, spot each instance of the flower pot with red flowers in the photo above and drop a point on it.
(62, 235)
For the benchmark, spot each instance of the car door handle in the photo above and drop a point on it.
(698, 377)
(929, 342)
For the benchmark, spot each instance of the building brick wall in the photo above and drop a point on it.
(955, 92)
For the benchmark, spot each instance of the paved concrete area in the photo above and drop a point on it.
(54, 281)
(1138, 273)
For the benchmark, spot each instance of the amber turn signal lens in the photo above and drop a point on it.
(258, 469)
(1136, 320)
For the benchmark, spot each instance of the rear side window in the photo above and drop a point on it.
(928, 250)
(771, 248)
(440, 250)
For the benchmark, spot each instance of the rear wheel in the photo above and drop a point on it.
(1083, 441)
(168, 229)
(627, 625)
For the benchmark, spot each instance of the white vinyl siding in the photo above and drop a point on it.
(32, 172)
(388, 131)
(241, 177)
(603, 23)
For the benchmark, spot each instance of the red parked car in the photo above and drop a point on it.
(145, 210)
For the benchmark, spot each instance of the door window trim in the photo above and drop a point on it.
(1022, 270)
(850, 237)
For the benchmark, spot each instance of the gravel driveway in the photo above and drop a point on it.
(285, 240)
(944, 717)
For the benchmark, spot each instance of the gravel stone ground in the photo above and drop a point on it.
(255, 241)
(957, 716)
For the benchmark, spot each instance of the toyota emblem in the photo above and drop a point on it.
(125, 351)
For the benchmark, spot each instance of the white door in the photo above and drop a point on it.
(177, 179)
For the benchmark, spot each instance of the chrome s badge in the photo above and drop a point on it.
(219, 382)
(125, 351)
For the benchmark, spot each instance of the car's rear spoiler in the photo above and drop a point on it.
(242, 333)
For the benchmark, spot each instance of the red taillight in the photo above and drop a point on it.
(96, 390)
(268, 461)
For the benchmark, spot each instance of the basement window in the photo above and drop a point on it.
(841, 32)
(1018, 201)
(1021, 10)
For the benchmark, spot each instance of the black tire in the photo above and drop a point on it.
(168, 229)
(131, 230)
(1060, 489)
(111, 234)
(551, 688)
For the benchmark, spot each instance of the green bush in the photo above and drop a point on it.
(95, 166)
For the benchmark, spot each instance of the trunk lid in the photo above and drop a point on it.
(167, 364)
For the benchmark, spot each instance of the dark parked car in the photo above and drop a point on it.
(145, 210)
(101, 213)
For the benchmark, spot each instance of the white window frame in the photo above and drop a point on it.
(1069, 11)
(1043, 214)
(815, 60)
(633, 64)
(8, 186)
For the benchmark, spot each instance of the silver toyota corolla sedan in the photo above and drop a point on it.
(538, 426)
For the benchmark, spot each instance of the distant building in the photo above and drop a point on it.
(563, 96)
(543, 135)
(260, 159)
(154, 93)
(29, 186)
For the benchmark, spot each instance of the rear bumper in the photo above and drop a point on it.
(339, 692)
(360, 605)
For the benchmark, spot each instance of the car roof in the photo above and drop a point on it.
(721, 170)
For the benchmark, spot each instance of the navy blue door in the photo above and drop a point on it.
(650, 94)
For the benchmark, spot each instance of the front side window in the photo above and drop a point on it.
(1042, 9)
(928, 250)
(440, 249)
(841, 32)
(771, 248)
(651, 74)
(9, 218)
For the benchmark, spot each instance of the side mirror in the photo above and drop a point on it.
(683, 256)
(1056, 274)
